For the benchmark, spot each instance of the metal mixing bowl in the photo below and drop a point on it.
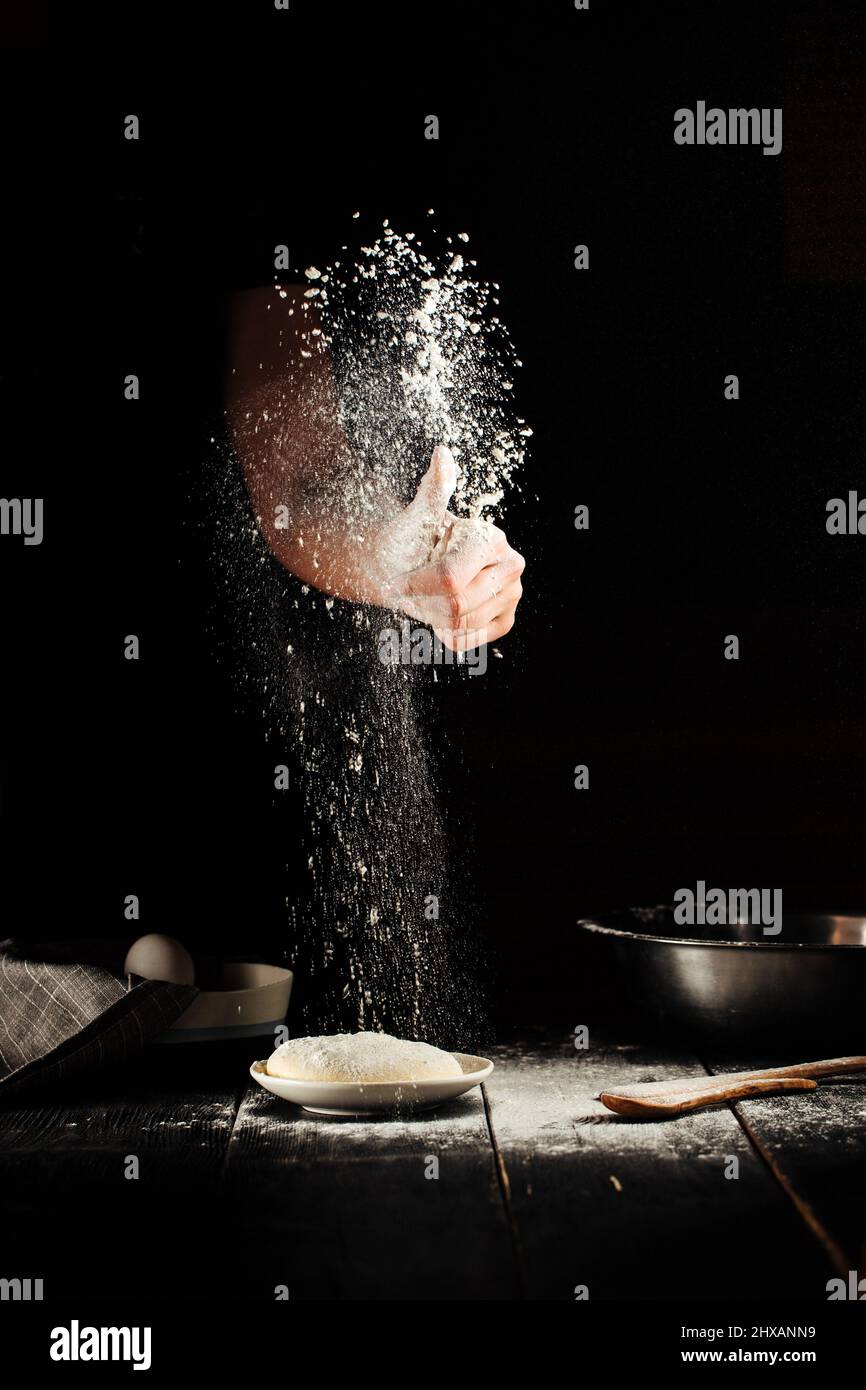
(807, 985)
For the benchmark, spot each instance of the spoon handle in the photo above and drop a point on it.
(677, 1097)
(678, 1102)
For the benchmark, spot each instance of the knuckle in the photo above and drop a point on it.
(448, 577)
(456, 606)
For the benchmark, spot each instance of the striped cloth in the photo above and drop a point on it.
(60, 1015)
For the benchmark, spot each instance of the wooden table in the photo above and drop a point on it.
(539, 1190)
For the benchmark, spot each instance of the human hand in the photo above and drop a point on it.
(459, 576)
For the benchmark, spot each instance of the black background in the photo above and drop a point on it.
(707, 516)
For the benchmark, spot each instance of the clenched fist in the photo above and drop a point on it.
(459, 576)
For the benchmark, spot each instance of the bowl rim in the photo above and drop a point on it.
(592, 924)
(281, 976)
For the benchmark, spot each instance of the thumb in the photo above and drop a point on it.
(409, 541)
(435, 489)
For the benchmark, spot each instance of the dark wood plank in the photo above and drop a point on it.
(815, 1145)
(258, 1194)
(70, 1216)
(341, 1209)
(637, 1209)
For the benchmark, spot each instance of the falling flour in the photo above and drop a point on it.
(422, 359)
(381, 937)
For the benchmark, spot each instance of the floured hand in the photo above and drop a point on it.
(458, 575)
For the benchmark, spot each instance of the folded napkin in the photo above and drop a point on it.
(65, 1009)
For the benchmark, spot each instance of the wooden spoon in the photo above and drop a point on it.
(660, 1098)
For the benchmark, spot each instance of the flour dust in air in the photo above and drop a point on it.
(413, 354)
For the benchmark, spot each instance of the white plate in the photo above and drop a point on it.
(374, 1097)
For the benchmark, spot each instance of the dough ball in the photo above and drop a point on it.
(157, 957)
(361, 1057)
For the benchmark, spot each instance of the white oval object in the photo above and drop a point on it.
(361, 1057)
(348, 1098)
(157, 957)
